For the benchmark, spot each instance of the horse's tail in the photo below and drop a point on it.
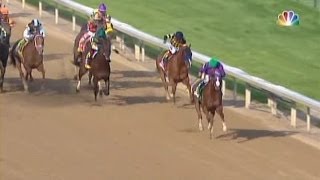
(12, 55)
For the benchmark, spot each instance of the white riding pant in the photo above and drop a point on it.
(172, 49)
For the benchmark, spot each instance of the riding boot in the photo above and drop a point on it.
(87, 66)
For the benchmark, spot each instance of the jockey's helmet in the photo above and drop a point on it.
(36, 23)
(102, 8)
(214, 62)
(4, 10)
(179, 35)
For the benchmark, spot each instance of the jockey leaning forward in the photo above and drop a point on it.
(101, 16)
(88, 36)
(29, 33)
(213, 68)
(176, 40)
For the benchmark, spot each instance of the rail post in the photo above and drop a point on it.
(142, 52)
(73, 21)
(248, 96)
(308, 118)
(293, 116)
(56, 16)
(40, 9)
(23, 4)
(235, 89)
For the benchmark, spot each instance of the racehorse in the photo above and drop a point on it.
(32, 58)
(177, 70)
(77, 55)
(4, 53)
(100, 67)
(210, 101)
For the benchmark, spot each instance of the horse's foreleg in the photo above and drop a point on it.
(76, 70)
(186, 82)
(24, 82)
(41, 69)
(90, 77)
(165, 84)
(43, 72)
(95, 87)
(198, 109)
(100, 88)
(3, 71)
(82, 71)
(174, 89)
(210, 120)
(219, 110)
(30, 75)
(107, 86)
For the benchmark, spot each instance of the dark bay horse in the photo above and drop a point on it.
(76, 54)
(210, 101)
(32, 58)
(100, 67)
(177, 71)
(4, 53)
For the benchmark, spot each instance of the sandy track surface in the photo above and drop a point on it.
(54, 133)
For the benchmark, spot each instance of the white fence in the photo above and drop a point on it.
(274, 90)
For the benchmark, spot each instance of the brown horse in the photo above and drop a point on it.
(177, 71)
(4, 53)
(32, 58)
(210, 101)
(77, 55)
(100, 67)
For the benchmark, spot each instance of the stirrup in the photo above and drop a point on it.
(87, 66)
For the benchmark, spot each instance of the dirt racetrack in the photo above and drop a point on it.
(54, 133)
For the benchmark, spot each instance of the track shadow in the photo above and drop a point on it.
(118, 85)
(54, 56)
(14, 15)
(243, 135)
(51, 86)
(131, 100)
(134, 74)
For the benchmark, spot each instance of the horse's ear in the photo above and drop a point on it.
(190, 45)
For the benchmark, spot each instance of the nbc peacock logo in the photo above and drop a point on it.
(288, 18)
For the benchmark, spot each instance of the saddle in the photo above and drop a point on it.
(165, 59)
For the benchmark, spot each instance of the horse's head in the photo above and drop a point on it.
(39, 42)
(215, 81)
(187, 53)
(105, 47)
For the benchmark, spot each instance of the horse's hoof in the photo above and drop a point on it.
(200, 128)
(77, 90)
(106, 93)
(224, 128)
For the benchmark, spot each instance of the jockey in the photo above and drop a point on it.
(4, 11)
(101, 15)
(92, 29)
(176, 40)
(210, 69)
(29, 33)
(94, 41)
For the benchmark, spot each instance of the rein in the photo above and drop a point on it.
(39, 47)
